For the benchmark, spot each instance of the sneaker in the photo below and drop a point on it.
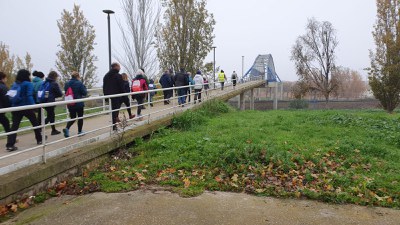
(151, 104)
(132, 116)
(55, 132)
(12, 148)
(66, 132)
(117, 120)
(82, 133)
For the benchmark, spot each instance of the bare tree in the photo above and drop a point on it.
(314, 55)
(138, 36)
(351, 84)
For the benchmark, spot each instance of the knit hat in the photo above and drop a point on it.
(198, 72)
(140, 72)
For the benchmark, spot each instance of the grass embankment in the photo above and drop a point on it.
(334, 156)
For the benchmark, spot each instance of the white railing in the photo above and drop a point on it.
(105, 110)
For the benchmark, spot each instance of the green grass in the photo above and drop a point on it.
(333, 156)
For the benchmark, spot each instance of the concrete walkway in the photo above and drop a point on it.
(156, 207)
(62, 145)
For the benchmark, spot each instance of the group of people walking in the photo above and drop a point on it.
(25, 92)
(41, 89)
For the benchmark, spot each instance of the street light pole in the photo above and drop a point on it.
(214, 64)
(242, 66)
(108, 12)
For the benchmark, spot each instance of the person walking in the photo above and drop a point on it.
(222, 79)
(114, 84)
(47, 93)
(166, 82)
(21, 94)
(234, 78)
(37, 82)
(78, 90)
(4, 102)
(190, 88)
(152, 86)
(206, 85)
(139, 84)
(198, 86)
(181, 80)
(125, 99)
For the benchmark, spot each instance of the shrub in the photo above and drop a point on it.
(298, 104)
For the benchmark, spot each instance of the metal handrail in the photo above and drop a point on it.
(43, 126)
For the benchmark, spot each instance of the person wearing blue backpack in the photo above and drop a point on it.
(152, 86)
(21, 94)
(79, 91)
(48, 92)
(4, 102)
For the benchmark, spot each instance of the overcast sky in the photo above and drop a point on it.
(244, 28)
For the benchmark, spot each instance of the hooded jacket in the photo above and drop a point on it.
(143, 83)
(78, 89)
(26, 94)
(37, 82)
(55, 91)
(198, 82)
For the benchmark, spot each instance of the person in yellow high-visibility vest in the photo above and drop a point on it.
(222, 79)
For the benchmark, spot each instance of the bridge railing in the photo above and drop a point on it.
(102, 110)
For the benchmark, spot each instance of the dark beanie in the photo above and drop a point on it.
(38, 74)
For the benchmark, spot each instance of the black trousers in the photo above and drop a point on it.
(115, 104)
(51, 116)
(127, 102)
(16, 120)
(5, 122)
(197, 95)
(75, 112)
(140, 101)
(167, 95)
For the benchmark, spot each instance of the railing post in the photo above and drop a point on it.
(173, 100)
(43, 124)
(148, 100)
(111, 115)
(104, 105)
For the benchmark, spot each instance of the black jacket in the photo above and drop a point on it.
(166, 81)
(113, 83)
(181, 79)
(4, 100)
(55, 91)
(127, 88)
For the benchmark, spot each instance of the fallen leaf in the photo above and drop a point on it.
(13, 207)
(187, 182)
(259, 191)
(3, 210)
(61, 186)
(235, 178)
(113, 168)
(297, 194)
(218, 179)
(140, 176)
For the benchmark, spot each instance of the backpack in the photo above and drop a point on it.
(14, 94)
(44, 92)
(136, 86)
(69, 96)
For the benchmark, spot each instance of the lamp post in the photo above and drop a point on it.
(242, 66)
(214, 64)
(108, 12)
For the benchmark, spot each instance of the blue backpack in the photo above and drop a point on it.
(14, 94)
(44, 92)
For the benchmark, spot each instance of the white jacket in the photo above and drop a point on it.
(198, 82)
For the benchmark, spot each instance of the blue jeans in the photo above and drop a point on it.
(182, 96)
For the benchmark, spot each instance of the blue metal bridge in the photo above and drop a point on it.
(263, 67)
